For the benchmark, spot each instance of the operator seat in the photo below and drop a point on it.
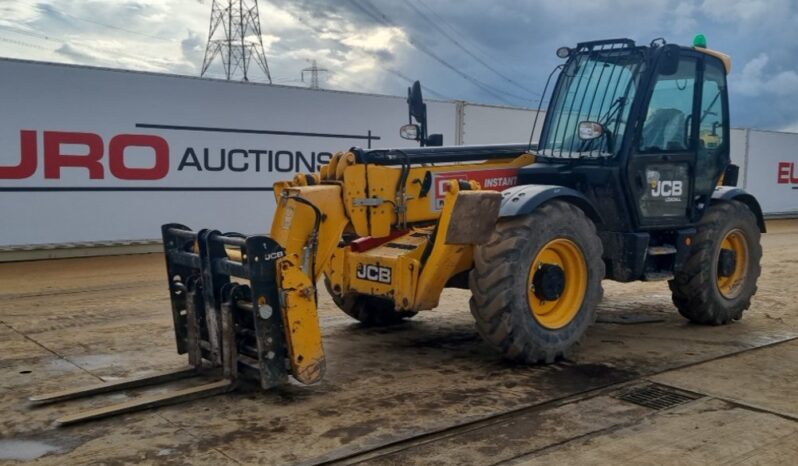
(664, 129)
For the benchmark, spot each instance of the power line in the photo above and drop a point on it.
(62, 42)
(374, 13)
(425, 49)
(466, 50)
(111, 26)
(380, 17)
(19, 42)
(393, 71)
(400, 75)
(455, 31)
(31, 34)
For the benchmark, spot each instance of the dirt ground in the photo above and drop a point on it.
(424, 392)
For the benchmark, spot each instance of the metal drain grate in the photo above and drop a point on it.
(656, 396)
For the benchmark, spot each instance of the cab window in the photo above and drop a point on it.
(711, 127)
(668, 123)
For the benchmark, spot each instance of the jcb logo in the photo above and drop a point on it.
(374, 273)
(666, 189)
(273, 255)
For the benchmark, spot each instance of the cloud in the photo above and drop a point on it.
(755, 81)
(377, 45)
(193, 48)
(375, 40)
(77, 55)
(744, 11)
(13, 13)
(790, 127)
(684, 17)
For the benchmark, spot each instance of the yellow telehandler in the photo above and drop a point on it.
(631, 180)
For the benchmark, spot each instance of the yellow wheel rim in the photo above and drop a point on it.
(559, 312)
(730, 286)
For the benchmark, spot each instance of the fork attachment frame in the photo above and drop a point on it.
(228, 330)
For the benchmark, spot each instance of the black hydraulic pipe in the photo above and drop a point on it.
(417, 155)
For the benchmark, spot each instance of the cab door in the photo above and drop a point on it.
(713, 154)
(663, 154)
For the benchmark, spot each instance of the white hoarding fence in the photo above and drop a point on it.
(770, 170)
(99, 155)
(739, 141)
(93, 154)
(490, 124)
(90, 154)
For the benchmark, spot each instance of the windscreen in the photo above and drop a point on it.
(597, 86)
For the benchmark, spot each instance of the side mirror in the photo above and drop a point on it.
(669, 60)
(589, 130)
(435, 140)
(415, 103)
(410, 131)
(418, 112)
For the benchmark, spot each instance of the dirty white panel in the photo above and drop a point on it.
(772, 173)
(488, 124)
(89, 154)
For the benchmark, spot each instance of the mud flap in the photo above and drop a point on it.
(474, 217)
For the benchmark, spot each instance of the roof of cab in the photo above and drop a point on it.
(727, 63)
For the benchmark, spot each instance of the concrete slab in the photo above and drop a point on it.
(510, 437)
(765, 379)
(107, 318)
(16, 346)
(707, 432)
(148, 439)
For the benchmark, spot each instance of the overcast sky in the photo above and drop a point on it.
(498, 51)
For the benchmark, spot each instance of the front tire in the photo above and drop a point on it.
(719, 278)
(537, 282)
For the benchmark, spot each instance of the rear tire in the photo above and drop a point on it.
(371, 311)
(507, 304)
(700, 292)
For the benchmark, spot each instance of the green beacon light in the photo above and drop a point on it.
(700, 41)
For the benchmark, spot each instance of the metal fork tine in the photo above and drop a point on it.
(146, 402)
(81, 392)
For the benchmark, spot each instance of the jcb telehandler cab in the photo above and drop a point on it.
(631, 180)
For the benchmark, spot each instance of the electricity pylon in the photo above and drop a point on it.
(238, 41)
